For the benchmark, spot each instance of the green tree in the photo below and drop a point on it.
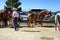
(13, 3)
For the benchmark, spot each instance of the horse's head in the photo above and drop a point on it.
(9, 10)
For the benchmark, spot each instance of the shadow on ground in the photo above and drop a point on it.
(49, 26)
(30, 31)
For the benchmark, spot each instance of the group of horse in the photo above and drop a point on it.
(33, 17)
(6, 15)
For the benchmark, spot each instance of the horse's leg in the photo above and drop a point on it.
(10, 23)
(28, 23)
(0, 24)
(6, 22)
(3, 20)
(32, 23)
(35, 22)
(41, 22)
(39, 18)
(57, 25)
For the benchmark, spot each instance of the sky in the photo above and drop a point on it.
(51, 5)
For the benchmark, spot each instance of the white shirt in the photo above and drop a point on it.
(15, 14)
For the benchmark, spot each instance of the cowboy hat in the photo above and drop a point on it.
(14, 8)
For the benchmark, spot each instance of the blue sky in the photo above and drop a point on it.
(51, 5)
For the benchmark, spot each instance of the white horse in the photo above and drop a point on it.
(57, 21)
(56, 18)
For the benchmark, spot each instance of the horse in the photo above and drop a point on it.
(31, 17)
(5, 15)
(37, 16)
(57, 21)
(42, 15)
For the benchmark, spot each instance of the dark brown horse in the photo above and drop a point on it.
(38, 16)
(5, 15)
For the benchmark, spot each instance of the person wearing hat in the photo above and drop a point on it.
(15, 16)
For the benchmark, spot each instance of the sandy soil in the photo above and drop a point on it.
(38, 33)
(30, 33)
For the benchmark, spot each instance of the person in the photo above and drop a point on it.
(15, 16)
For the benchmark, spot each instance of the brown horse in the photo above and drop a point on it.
(42, 15)
(30, 18)
(5, 15)
(38, 16)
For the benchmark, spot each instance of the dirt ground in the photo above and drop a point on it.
(30, 33)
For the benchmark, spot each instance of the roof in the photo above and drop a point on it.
(38, 10)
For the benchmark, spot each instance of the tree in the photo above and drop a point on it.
(13, 3)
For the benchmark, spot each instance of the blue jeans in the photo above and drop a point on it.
(15, 21)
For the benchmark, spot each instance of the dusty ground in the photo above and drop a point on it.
(30, 33)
